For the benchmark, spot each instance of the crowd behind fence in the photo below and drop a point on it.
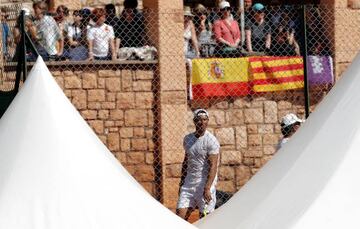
(243, 65)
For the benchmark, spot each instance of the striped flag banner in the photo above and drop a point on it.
(276, 73)
(220, 77)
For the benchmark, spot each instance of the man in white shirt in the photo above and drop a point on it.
(101, 38)
(199, 171)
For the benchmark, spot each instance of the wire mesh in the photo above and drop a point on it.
(248, 76)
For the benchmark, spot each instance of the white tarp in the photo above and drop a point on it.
(313, 181)
(56, 174)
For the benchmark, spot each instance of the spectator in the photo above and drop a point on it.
(190, 35)
(6, 35)
(247, 10)
(61, 16)
(284, 43)
(227, 33)
(318, 42)
(48, 32)
(199, 170)
(101, 38)
(114, 21)
(75, 36)
(132, 29)
(290, 123)
(203, 29)
(258, 31)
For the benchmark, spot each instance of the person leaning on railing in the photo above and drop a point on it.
(101, 38)
(284, 43)
(227, 33)
(75, 36)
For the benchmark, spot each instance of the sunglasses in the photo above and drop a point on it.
(225, 9)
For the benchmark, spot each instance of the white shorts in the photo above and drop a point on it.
(191, 197)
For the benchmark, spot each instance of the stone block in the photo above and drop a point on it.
(101, 83)
(226, 173)
(271, 139)
(116, 114)
(89, 80)
(252, 129)
(248, 161)
(254, 140)
(89, 114)
(269, 150)
(174, 156)
(270, 112)
(113, 142)
(226, 186)
(226, 136)
(121, 158)
(216, 118)
(149, 187)
(96, 95)
(107, 73)
(79, 99)
(284, 105)
(109, 124)
(254, 115)
(253, 152)
(241, 103)
(173, 97)
(231, 157)
(266, 129)
(108, 105)
(173, 171)
(94, 105)
(241, 137)
(126, 132)
(103, 114)
(60, 82)
(110, 96)
(235, 117)
(139, 132)
(144, 74)
(144, 100)
(97, 125)
(72, 82)
(142, 85)
(149, 158)
(136, 118)
(139, 144)
(243, 174)
(125, 100)
(113, 84)
(171, 190)
(125, 144)
(144, 173)
(126, 80)
(135, 158)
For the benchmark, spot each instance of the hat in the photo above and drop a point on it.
(200, 112)
(187, 11)
(200, 9)
(258, 7)
(26, 11)
(290, 119)
(224, 4)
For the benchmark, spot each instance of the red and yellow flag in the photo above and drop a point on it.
(276, 73)
(220, 77)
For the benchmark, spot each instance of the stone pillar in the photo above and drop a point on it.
(167, 36)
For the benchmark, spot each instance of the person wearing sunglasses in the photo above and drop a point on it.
(227, 33)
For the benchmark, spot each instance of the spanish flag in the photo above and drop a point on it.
(276, 73)
(220, 77)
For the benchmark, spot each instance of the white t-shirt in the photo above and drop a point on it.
(197, 151)
(101, 35)
(282, 142)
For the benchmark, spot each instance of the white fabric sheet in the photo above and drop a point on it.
(313, 181)
(56, 174)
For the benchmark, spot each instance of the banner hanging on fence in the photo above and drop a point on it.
(242, 76)
(219, 77)
(276, 73)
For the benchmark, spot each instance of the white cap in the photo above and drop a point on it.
(27, 11)
(200, 112)
(290, 119)
(224, 4)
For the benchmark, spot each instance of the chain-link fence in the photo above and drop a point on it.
(245, 67)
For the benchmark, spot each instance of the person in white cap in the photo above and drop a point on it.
(290, 123)
(199, 171)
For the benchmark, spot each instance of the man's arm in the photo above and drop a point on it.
(213, 163)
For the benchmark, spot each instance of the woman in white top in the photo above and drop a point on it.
(75, 36)
(190, 35)
(101, 38)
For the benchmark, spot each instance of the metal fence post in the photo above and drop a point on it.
(304, 51)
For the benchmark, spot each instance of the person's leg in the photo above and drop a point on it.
(184, 212)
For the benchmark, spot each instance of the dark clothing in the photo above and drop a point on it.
(115, 23)
(258, 34)
(282, 49)
(132, 33)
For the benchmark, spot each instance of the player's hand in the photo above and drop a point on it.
(207, 195)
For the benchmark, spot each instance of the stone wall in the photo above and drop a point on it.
(118, 104)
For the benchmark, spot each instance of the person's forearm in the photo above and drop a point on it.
(212, 171)
(268, 41)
